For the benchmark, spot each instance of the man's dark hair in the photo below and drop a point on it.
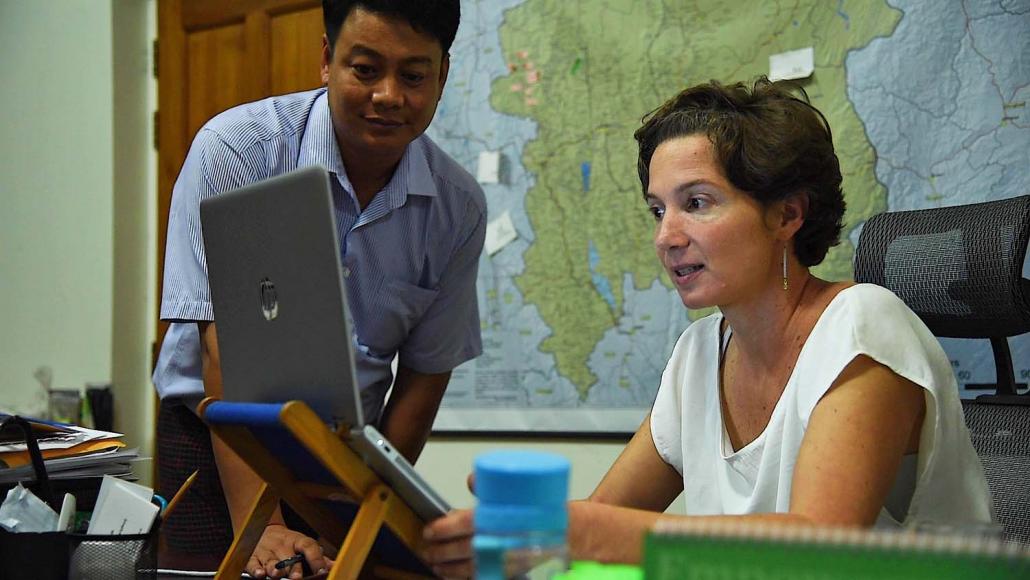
(770, 143)
(437, 18)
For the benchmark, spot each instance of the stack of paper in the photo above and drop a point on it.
(68, 451)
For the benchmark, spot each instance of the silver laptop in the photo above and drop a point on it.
(284, 331)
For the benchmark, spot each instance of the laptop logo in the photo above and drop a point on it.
(269, 300)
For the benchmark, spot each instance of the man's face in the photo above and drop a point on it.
(384, 80)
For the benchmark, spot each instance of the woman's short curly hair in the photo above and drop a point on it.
(770, 143)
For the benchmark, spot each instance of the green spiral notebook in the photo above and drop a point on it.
(731, 552)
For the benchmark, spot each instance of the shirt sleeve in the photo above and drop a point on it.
(448, 333)
(871, 321)
(212, 166)
(667, 412)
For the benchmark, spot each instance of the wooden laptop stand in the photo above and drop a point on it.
(342, 477)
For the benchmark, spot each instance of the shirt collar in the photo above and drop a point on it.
(319, 147)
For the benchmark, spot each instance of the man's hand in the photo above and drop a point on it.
(278, 543)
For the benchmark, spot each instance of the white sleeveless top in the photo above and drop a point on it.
(688, 431)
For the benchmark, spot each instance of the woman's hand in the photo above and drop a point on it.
(448, 545)
(278, 543)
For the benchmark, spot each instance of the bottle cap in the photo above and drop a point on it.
(520, 491)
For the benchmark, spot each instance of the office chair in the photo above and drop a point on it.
(960, 270)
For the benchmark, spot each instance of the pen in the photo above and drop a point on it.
(294, 559)
(179, 494)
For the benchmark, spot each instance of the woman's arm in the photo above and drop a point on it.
(639, 478)
(609, 526)
(611, 533)
(853, 446)
(847, 463)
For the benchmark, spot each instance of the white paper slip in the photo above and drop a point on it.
(499, 233)
(128, 514)
(122, 507)
(67, 516)
(489, 168)
(796, 64)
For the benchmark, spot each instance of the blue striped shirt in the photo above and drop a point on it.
(413, 252)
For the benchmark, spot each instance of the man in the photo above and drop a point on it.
(411, 225)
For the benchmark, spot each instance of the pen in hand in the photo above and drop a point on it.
(294, 559)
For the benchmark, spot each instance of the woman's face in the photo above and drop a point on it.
(715, 241)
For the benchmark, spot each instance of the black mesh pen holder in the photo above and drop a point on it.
(72, 556)
(57, 556)
(112, 557)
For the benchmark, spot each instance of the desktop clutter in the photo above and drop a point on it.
(521, 523)
(69, 509)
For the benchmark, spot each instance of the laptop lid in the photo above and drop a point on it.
(277, 287)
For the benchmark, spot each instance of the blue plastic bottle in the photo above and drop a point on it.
(521, 517)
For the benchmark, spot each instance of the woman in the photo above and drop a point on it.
(801, 401)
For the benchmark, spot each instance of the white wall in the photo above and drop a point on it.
(56, 172)
(447, 461)
(74, 231)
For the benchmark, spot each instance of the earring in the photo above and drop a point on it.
(785, 267)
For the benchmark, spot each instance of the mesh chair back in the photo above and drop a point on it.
(959, 268)
(1001, 436)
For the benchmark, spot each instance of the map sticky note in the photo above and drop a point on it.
(499, 233)
(489, 168)
(796, 64)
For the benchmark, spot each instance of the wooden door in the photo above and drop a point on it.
(212, 55)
